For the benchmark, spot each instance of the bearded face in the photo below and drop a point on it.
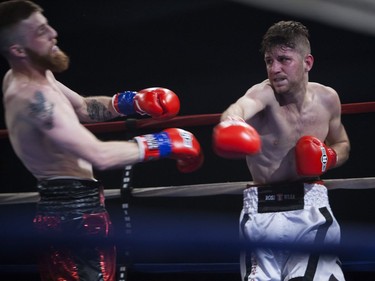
(56, 61)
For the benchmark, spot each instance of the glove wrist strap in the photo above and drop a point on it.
(154, 146)
(124, 102)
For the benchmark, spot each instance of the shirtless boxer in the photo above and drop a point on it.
(43, 117)
(290, 131)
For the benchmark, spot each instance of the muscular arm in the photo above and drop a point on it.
(97, 109)
(254, 100)
(58, 122)
(337, 137)
(88, 109)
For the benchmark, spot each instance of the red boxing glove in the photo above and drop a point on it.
(313, 157)
(235, 139)
(172, 143)
(159, 103)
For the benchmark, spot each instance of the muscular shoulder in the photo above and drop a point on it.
(28, 100)
(256, 99)
(36, 106)
(325, 95)
(323, 91)
(261, 91)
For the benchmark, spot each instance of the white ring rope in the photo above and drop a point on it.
(190, 190)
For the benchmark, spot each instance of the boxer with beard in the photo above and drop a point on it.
(44, 117)
(56, 62)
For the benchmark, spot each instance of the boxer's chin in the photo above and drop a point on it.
(57, 61)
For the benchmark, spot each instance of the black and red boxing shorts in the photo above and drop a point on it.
(75, 231)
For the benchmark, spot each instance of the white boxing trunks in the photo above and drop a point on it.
(290, 213)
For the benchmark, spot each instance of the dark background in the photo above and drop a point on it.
(207, 51)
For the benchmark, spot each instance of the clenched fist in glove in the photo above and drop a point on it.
(159, 103)
(313, 157)
(235, 139)
(172, 143)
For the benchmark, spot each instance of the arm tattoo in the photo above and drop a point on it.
(42, 110)
(98, 111)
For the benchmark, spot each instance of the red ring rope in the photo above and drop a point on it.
(189, 120)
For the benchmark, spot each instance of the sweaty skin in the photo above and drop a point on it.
(43, 116)
(282, 109)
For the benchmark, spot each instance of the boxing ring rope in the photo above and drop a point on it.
(188, 120)
(195, 190)
(209, 189)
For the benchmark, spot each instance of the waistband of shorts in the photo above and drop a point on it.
(285, 196)
(69, 194)
(60, 181)
(316, 180)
